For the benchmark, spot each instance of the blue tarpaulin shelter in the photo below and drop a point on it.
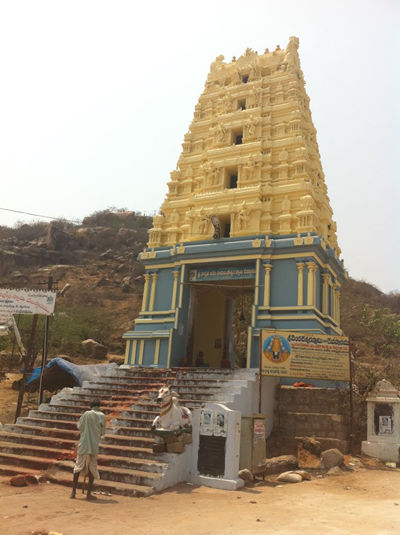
(60, 373)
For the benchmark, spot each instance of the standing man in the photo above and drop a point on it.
(92, 425)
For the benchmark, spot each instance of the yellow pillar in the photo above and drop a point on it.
(311, 287)
(267, 285)
(325, 292)
(145, 292)
(128, 347)
(133, 354)
(157, 351)
(300, 284)
(154, 277)
(174, 290)
(337, 305)
(141, 352)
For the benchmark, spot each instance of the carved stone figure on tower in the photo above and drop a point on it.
(252, 126)
(217, 70)
(174, 217)
(227, 102)
(204, 221)
(243, 217)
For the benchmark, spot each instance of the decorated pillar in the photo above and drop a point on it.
(311, 286)
(145, 292)
(154, 277)
(300, 283)
(174, 290)
(325, 293)
(267, 285)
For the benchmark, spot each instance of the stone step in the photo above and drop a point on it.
(34, 457)
(116, 401)
(61, 477)
(55, 415)
(144, 371)
(132, 431)
(174, 384)
(127, 451)
(133, 422)
(121, 475)
(139, 414)
(42, 422)
(26, 461)
(51, 432)
(130, 441)
(100, 392)
(74, 408)
(37, 451)
(84, 403)
(36, 440)
(133, 463)
(13, 470)
(137, 378)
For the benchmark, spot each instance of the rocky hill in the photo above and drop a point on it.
(97, 258)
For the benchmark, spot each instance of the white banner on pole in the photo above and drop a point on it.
(25, 302)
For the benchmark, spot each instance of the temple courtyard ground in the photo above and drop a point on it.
(366, 503)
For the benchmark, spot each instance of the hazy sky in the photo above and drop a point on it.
(95, 97)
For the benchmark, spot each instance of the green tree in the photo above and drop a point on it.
(385, 327)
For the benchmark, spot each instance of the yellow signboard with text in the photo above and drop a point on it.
(305, 356)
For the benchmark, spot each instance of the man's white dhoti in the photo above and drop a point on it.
(85, 463)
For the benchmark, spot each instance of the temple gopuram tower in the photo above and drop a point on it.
(247, 212)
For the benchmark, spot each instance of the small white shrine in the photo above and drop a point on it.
(383, 427)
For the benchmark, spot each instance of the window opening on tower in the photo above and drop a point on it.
(227, 230)
(239, 139)
(233, 180)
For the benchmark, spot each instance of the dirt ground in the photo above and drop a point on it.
(365, 502)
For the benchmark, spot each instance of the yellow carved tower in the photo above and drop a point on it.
(250, 157)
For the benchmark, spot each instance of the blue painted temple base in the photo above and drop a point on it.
(190, 290)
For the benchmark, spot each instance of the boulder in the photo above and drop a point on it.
(312, 445)
(332, 458)
(290, 477)
(126, 284)
(246, 475)
(118, 360)
(57, 238)
(94, 350)
(352, 463)
(275, 465)
(335, 471)
(305, 475)
(307, 459)
(19, 481)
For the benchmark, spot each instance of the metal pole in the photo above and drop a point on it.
(45, 347)
(27, 358)
(259, 372)
(351, 405)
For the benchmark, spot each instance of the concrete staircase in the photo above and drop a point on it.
(300, 412)
(46, 439)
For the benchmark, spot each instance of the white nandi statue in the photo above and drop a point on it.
(172, 416)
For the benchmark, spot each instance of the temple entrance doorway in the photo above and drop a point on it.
(219, 317)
